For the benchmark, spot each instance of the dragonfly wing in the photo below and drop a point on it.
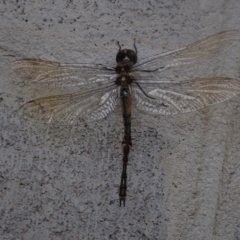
(65, 76)
(72, 109)
(186, 96)
(30, 69)
(199, 51)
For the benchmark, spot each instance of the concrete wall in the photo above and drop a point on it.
(60, 182)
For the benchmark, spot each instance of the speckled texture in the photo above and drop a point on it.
(62, 183)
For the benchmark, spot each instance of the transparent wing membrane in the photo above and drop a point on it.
(92, 90)
(30, 69)
(72, 109)
(200, 51)
(186, 96)
(53, 74)
(84, 92)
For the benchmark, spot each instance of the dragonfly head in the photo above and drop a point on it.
(126, 55)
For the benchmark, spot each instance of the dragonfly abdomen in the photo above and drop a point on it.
(127, 140)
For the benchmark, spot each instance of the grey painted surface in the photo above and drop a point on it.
(62, 183)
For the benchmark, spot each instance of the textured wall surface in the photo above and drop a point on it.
(60, 182)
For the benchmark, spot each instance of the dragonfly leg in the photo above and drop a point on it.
(134, 45)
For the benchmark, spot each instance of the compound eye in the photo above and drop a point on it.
(126, 54)
(120, 56)
(132, 56)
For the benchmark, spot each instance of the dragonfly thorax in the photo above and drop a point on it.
(123, 80)
(126, 58)
(123, 67)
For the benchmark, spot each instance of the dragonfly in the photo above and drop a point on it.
(85, 92)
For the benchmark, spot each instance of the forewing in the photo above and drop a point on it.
(72, 109)
(58, 78)
(186, 96)
(200, 51)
